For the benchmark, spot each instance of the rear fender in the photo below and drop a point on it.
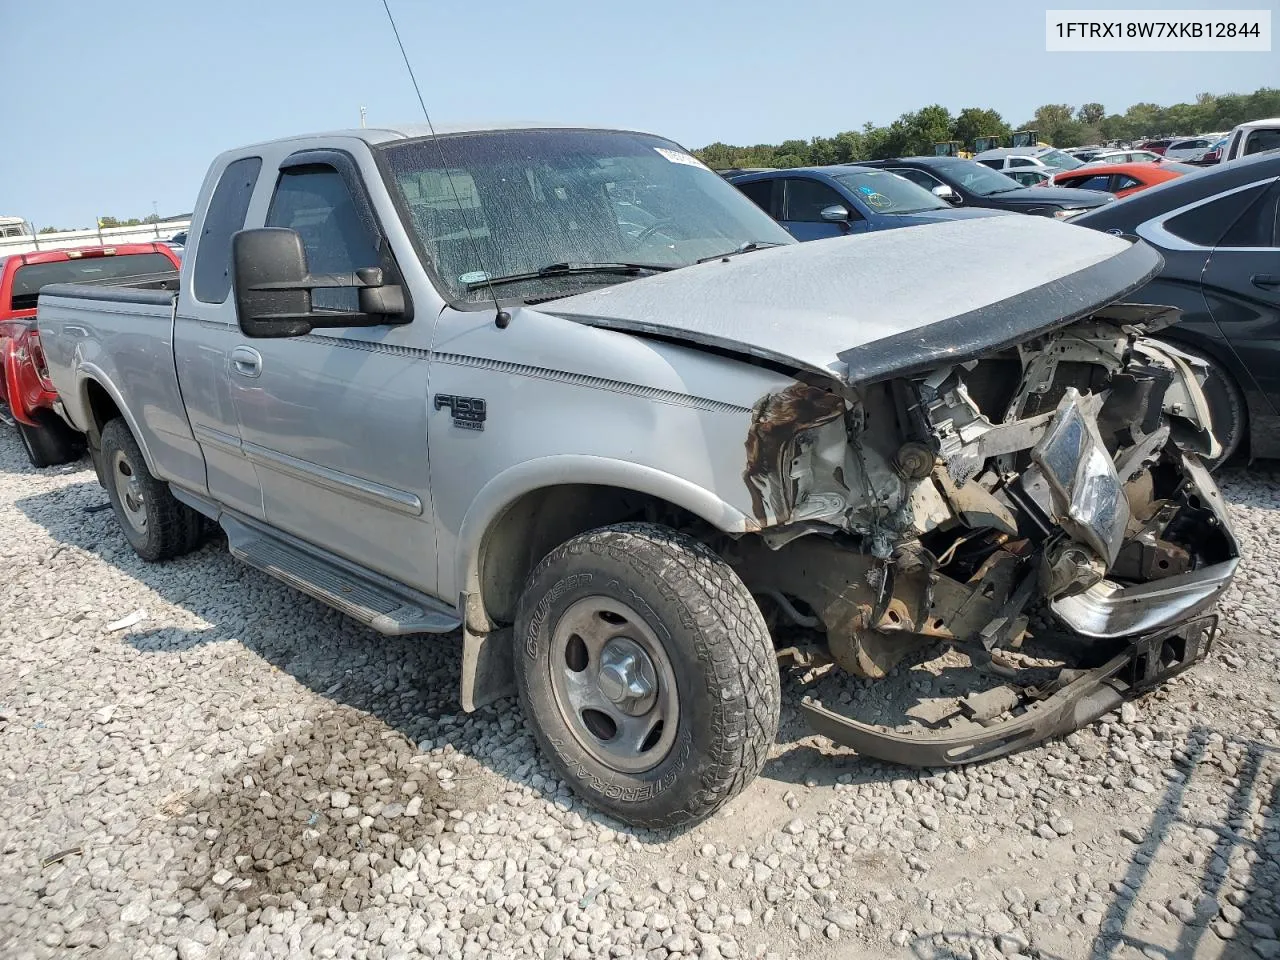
(90, 373)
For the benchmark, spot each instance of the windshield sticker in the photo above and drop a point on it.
(678, 156)
(878, 200)
(476, 276)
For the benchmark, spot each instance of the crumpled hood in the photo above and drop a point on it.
(888, 303)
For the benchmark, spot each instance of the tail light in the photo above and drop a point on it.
(35, 350)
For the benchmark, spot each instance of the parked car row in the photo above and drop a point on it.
(663, 436)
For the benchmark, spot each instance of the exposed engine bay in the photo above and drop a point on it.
(942, 507)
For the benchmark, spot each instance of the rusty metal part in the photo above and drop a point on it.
(974, 505)
(842, 586)
(875, 613)
(777, 420)
(1149, 558)
(914, 460)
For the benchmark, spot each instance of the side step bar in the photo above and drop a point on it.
(361, 594)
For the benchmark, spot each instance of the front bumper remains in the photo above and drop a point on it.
(1078, 698)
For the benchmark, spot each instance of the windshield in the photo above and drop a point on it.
(978, 179)
(516, 201)
(1060, 160)
(886, 192)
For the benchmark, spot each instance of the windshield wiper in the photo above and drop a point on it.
(741, 248)
(568, 270)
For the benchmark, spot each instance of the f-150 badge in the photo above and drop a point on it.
(468, 412)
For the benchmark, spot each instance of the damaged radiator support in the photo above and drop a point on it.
(938, 509)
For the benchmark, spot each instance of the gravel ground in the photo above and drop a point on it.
(244, 773)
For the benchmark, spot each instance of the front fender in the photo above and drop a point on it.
(496, 496)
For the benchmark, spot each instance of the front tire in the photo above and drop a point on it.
(52, 442)
(156, 525)
(647, 674)
(1227, 408)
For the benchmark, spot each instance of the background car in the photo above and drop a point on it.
(27, 398)
(1192, 148)
(1008, 158)
(1122, 179)
(816, 202)
(1157, 146)
(1213, 154)
(1031, 176)
(1218, 232)
(1126, 156)
(1256, 136)
(969, 183)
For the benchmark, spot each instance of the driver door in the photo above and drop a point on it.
(335, 422)
(804, 200)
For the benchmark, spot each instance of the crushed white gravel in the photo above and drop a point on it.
(196, 761)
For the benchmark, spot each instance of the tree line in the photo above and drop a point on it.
(1060, 124)
(105, 222)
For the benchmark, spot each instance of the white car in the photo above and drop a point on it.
(1192, 148)
(1011, 158)
(1257, 136)
(1126, 156)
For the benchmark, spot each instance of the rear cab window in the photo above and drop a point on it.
(106, 270)
(1259, 141)
(225, 215)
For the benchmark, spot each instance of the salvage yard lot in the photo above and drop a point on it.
(246, 773)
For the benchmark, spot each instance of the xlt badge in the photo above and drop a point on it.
(468, 412)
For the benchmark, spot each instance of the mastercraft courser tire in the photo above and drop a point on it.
(156, 525)
(701, 659)
(52, 442)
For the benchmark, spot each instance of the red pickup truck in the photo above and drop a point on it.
(25, 390)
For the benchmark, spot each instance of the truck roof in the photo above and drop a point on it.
(413, 131)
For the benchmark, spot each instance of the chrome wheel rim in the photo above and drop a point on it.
(614, 684)
(133, 503)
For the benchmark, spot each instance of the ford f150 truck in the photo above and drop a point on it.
(25, 390)
(570, 392)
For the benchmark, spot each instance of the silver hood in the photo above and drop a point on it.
(881, 304)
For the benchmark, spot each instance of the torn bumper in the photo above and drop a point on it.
(1150, 661)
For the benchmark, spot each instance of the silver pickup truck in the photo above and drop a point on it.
(567, 391)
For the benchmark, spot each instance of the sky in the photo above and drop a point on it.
(111, 108)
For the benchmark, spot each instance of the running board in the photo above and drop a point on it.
(361, 594)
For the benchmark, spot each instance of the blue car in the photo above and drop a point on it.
(816, 202)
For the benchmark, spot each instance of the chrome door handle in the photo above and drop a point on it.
(246, 361)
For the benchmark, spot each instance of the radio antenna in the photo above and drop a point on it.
(503, 317)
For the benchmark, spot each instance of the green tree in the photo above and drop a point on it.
(1091, 114)
(976, 122)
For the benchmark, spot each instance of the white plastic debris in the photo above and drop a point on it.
(124, 623)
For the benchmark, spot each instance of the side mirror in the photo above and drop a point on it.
(945, 192)
(273, 288)
(834, 213)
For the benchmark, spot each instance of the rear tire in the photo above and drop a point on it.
(52, 442)
(647, 674)
(156, 525)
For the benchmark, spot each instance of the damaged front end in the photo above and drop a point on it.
(944, 507)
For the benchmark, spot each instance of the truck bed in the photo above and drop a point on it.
(123, 336)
